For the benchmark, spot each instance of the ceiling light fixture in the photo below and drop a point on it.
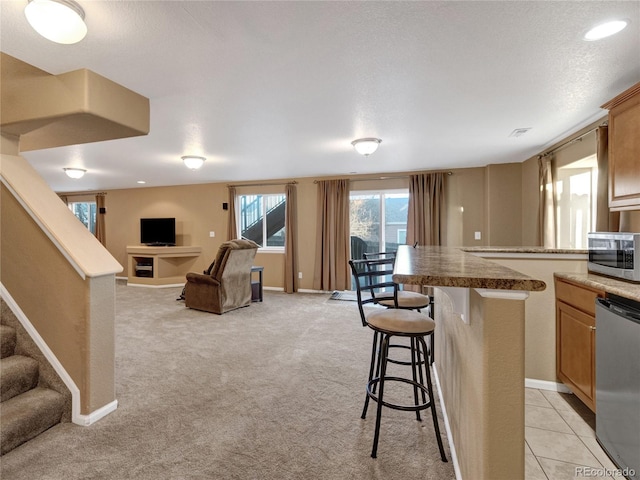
(193, 162)
(605, 30)
(75, 172)
(366, 146)
(61, 21)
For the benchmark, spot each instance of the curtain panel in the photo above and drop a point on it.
(232, 227)
(426, 209)
(291, 240)
(547, 203)
(332, 243)
(101, 211)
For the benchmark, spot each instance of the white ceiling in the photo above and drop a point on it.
(273, 90)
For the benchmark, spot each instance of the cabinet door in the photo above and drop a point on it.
(576, 352)
(624, 151)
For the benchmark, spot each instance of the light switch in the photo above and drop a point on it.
(212, 234)
(478, 236)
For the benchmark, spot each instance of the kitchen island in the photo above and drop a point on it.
(479, 354)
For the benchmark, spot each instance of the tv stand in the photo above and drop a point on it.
(157, 266)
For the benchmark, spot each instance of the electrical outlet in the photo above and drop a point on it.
(478, 236)
(212, 234)
(299, 274)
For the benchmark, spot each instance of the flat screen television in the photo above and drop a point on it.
(158, 231)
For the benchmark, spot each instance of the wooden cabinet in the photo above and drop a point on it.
(624, 150)
(576, 338)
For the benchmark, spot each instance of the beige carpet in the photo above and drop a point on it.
(272, 391)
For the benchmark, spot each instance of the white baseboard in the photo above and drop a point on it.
(76, 416)
(309, 290)
(274, 289)
(93, 417)
(447, 426)
(546, 385)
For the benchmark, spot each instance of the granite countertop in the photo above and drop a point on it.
(452, 267)
(524, 250)
(608, 284)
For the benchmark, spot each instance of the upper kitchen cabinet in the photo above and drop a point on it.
(624, 150)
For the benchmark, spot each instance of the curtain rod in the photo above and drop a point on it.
(572, 141)
(81, 194)
(261, 184)
(391, 177)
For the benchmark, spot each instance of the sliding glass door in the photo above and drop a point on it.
(378, 221)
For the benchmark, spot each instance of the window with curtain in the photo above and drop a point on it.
(261, 218)
(86, 213)
(576, 187)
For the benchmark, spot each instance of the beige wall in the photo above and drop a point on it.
(504, 204)
(198, 210)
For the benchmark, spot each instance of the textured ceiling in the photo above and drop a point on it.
(270, 90)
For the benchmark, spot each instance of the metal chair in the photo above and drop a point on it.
(387, 323)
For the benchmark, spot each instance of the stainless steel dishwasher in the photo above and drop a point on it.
(618, 381)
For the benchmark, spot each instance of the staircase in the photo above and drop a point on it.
(29, 405)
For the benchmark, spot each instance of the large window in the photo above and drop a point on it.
(378, 221)
(261, 219)
(86, 213)
(576, 187)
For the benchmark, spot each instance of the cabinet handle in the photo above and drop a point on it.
(593, 329)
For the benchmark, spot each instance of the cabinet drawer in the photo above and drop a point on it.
(580, 297)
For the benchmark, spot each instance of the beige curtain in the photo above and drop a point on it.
(332, 242)
(232, 228)
(425, 218)
(291, 240)
(547, 203)
(101, 212)
(606, 221)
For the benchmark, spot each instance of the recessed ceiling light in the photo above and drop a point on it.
(605, 30)
(75, 172)
(141, 182)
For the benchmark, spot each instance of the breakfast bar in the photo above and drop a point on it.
(479, 354)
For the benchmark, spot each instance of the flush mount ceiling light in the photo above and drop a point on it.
(366, 146)
(193, 162)
(605, 30)
(75, 172)
(61, 21)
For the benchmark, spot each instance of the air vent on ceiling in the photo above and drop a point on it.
(518, 132)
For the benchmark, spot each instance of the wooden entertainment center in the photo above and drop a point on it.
(160, 266)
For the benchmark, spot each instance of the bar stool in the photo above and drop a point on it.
(384, 262)
(387, 323)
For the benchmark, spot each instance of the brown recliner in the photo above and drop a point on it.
(229, 285)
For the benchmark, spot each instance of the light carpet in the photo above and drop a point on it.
(271, 391)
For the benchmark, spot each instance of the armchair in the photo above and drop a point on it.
(229, 285)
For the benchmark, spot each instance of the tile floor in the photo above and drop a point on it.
(560, 438)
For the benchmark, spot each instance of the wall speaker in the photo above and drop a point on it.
(225, 206)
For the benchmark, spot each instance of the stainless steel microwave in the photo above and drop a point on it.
(616, 254)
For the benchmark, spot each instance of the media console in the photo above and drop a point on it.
(160, 266)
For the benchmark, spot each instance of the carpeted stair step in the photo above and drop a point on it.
(18, 374)
(7, 341)
(28, 415)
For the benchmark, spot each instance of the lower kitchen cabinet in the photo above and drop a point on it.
(576, 338)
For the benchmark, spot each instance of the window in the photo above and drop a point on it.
(576, 187)
(86, 213)
(261, 219)
(378, 221)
